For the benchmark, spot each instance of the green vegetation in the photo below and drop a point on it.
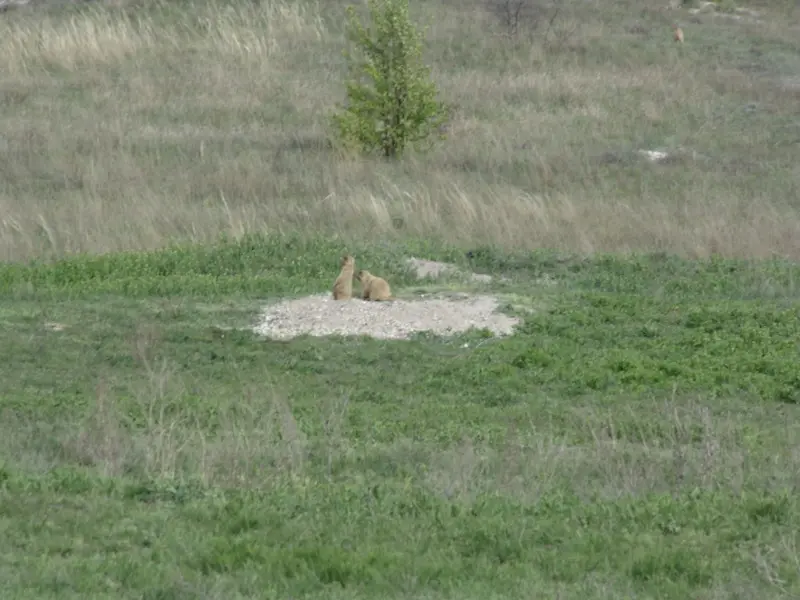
(637, 436)
(396, 105)
(165, 172)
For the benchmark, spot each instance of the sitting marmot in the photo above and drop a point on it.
(343, 286)
(373, 288)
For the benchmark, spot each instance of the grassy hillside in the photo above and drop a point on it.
(636, 437)
(127, 127)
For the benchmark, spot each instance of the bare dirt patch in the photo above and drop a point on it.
(320, 315)
(431, 268)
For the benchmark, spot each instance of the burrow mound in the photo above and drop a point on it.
(320, 315)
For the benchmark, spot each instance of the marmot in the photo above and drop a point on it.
(343, 286)
(373, 288)
(678, 34)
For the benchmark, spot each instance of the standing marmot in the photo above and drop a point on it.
(343, 286)
(373, 288)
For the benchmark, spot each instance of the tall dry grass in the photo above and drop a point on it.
(128, 128)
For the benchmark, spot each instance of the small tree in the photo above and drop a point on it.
(391, 99)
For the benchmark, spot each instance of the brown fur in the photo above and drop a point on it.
(678, 34)
(373, 288)
(343, 286)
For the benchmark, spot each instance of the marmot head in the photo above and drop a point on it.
(362, 275)
(347, 260)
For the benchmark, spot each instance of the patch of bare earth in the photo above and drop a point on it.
(431, 268)
(320, 315)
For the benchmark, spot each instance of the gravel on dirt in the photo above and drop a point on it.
(322, 315)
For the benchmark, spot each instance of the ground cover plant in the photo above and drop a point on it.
(636, 437)
(166, 173)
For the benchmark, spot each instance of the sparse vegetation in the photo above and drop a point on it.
(165, 171)
(530, 17)
(727, 6)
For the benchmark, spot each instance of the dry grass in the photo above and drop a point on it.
(257, 443)
(126, 128)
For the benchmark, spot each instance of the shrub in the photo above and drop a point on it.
(391, 100)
